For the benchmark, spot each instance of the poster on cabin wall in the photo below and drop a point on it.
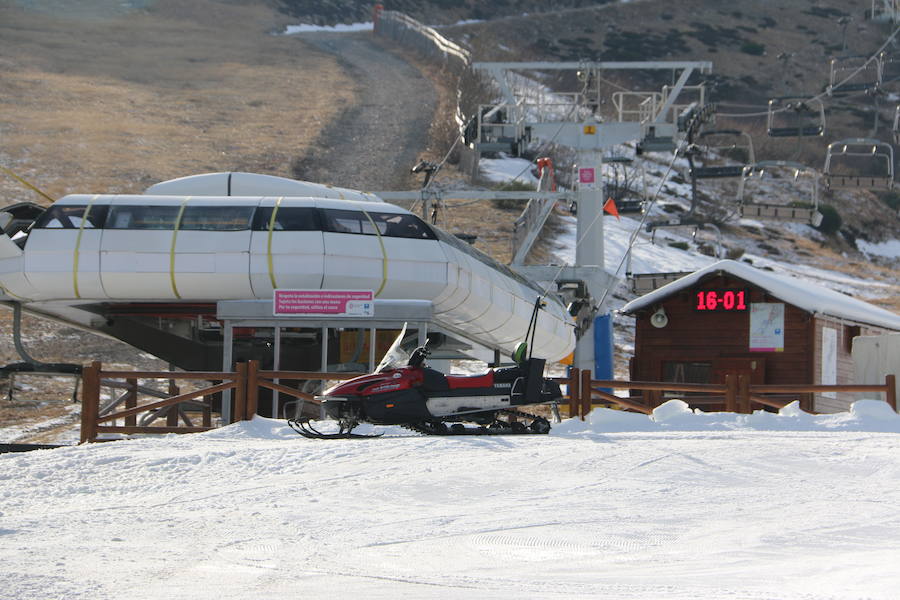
(829, 359)
(766, 327)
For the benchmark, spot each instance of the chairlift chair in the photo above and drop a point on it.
(890, 68)
(855, 74)
(643, 283)
(796, 212)
(859, 163)
(709, 142)
(794, 116)
(896, 128)
(626, 182)
(497, 128)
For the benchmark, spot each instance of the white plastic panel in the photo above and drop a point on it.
(213, 265)
(352, 262)
(298, 261)
(88, 271)
(416, 268)
(49, 262)
(135, 264)
(478, 299)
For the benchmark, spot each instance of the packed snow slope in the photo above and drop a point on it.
(679, 505)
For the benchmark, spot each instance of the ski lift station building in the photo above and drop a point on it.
(731, 318)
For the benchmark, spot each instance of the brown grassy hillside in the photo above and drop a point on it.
(116, 104)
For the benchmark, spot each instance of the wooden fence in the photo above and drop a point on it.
(177, 407)
(737, 394)
(583, 393)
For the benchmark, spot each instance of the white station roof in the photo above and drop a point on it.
(802, 294)
(252, 184)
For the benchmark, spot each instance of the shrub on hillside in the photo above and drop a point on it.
(513, 186)
(831, 219)
(892, 199)
(753, 48)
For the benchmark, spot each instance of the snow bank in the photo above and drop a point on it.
(675, 415)
(506, 169)
(340, 28)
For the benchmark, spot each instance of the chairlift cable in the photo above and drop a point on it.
(824, 94)
(644, 216)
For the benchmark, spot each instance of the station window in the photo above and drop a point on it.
(388, 224)
(142, 217)
(216, 218)
(287, 218)
(687, 372)
(70, 217)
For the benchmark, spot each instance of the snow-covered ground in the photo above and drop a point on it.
(623, 506)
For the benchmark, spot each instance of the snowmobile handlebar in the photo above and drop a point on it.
(417, 358)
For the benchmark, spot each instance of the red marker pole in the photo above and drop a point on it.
(376, 17)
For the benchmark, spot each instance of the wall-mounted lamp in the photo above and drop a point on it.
(659, 319)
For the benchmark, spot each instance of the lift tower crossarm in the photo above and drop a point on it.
(497, 68)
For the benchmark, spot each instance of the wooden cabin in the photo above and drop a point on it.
(731, 318)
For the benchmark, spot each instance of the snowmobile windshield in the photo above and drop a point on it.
(396, 356)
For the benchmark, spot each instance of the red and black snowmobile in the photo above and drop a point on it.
(404, 391)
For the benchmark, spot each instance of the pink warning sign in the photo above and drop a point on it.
(334, 303)
(586, 175)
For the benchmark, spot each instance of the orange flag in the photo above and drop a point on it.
(610, 207)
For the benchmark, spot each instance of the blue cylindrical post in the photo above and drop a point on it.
(603, 348)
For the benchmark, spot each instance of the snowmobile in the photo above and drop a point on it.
(405, 391)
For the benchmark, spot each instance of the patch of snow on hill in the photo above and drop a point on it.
(339, 28)
(888, 249)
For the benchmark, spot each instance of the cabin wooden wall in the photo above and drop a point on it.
(707, 335)
(844, 370)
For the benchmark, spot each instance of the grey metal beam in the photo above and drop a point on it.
(703, 65)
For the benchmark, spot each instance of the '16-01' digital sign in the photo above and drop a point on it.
(720, 300)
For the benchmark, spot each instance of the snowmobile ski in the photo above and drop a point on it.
(345, 431)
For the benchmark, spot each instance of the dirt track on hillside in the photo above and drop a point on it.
(373, 144)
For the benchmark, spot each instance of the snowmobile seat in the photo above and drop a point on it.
(434, 381)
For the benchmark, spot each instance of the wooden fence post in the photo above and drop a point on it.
(90, 401)
(240, 393)
(730, 393)
(585, 393)
(891, 392)
(743, 399)
(253, 390)
(574, 395)
(131, 401)
(172, 411)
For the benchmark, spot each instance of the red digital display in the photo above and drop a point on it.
(721, 300)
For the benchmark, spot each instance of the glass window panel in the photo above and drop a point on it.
(142, 217)
(216, 218)
(61, 217)
(287, 218)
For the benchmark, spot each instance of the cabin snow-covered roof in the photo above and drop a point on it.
(802, 294)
